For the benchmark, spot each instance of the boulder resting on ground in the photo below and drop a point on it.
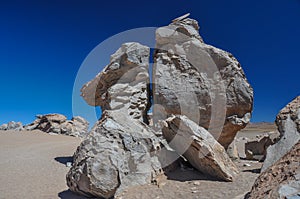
(199, 147)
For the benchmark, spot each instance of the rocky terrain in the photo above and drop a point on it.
(190, 146)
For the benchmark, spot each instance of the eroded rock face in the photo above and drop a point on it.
(200, 81)
(118, 153)
(58, 124)
(281, 180)
(123, 84)
(288, 123)
(199, 147)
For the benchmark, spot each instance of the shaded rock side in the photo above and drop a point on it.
(288, 122)
(281, 180)
(124, 82)
(199, 147)
(118, 153)
(206, 84)
(58, 124)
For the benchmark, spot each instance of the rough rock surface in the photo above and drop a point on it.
(123, 84)
(199, 147)
(58, 124)
(200, 81)
(288, 123)
(118, 153)
(257, 149)
(15, 126)
(281, 180)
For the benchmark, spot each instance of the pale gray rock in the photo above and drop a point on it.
(58, 124)
(3, 127)
(206, 84)
(118, 153)
(12, 126)
(288, 123)
(232, 151)
(199, 147)
(123, 84)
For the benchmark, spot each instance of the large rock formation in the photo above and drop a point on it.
(281, 180)
(200, 81)
(288, 123)
(199, 147)
(123, 84)
(58, 124)
(121, 150)
(12, 126)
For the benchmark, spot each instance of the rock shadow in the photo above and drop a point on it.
(253, 170)
(64, 160)
(183, 175)
(67, 194)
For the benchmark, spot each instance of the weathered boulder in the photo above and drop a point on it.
(199, 147)
(58, 124)
(118, 153)
(200, 81)
(256, 149)
(288, 123)
(281, 180)
(123, 84)
(13, 126)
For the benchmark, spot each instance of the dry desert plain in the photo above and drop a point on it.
(33, 166)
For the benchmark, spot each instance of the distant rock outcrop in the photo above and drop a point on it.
(12, 126)
(281, 180)
(206, 84)
(288, 123)
(58, 124)
(199, 147)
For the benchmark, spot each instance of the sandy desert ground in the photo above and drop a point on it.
(33, 165)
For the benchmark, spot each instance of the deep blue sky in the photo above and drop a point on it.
(43, 43)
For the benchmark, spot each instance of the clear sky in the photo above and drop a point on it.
(43, 44)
